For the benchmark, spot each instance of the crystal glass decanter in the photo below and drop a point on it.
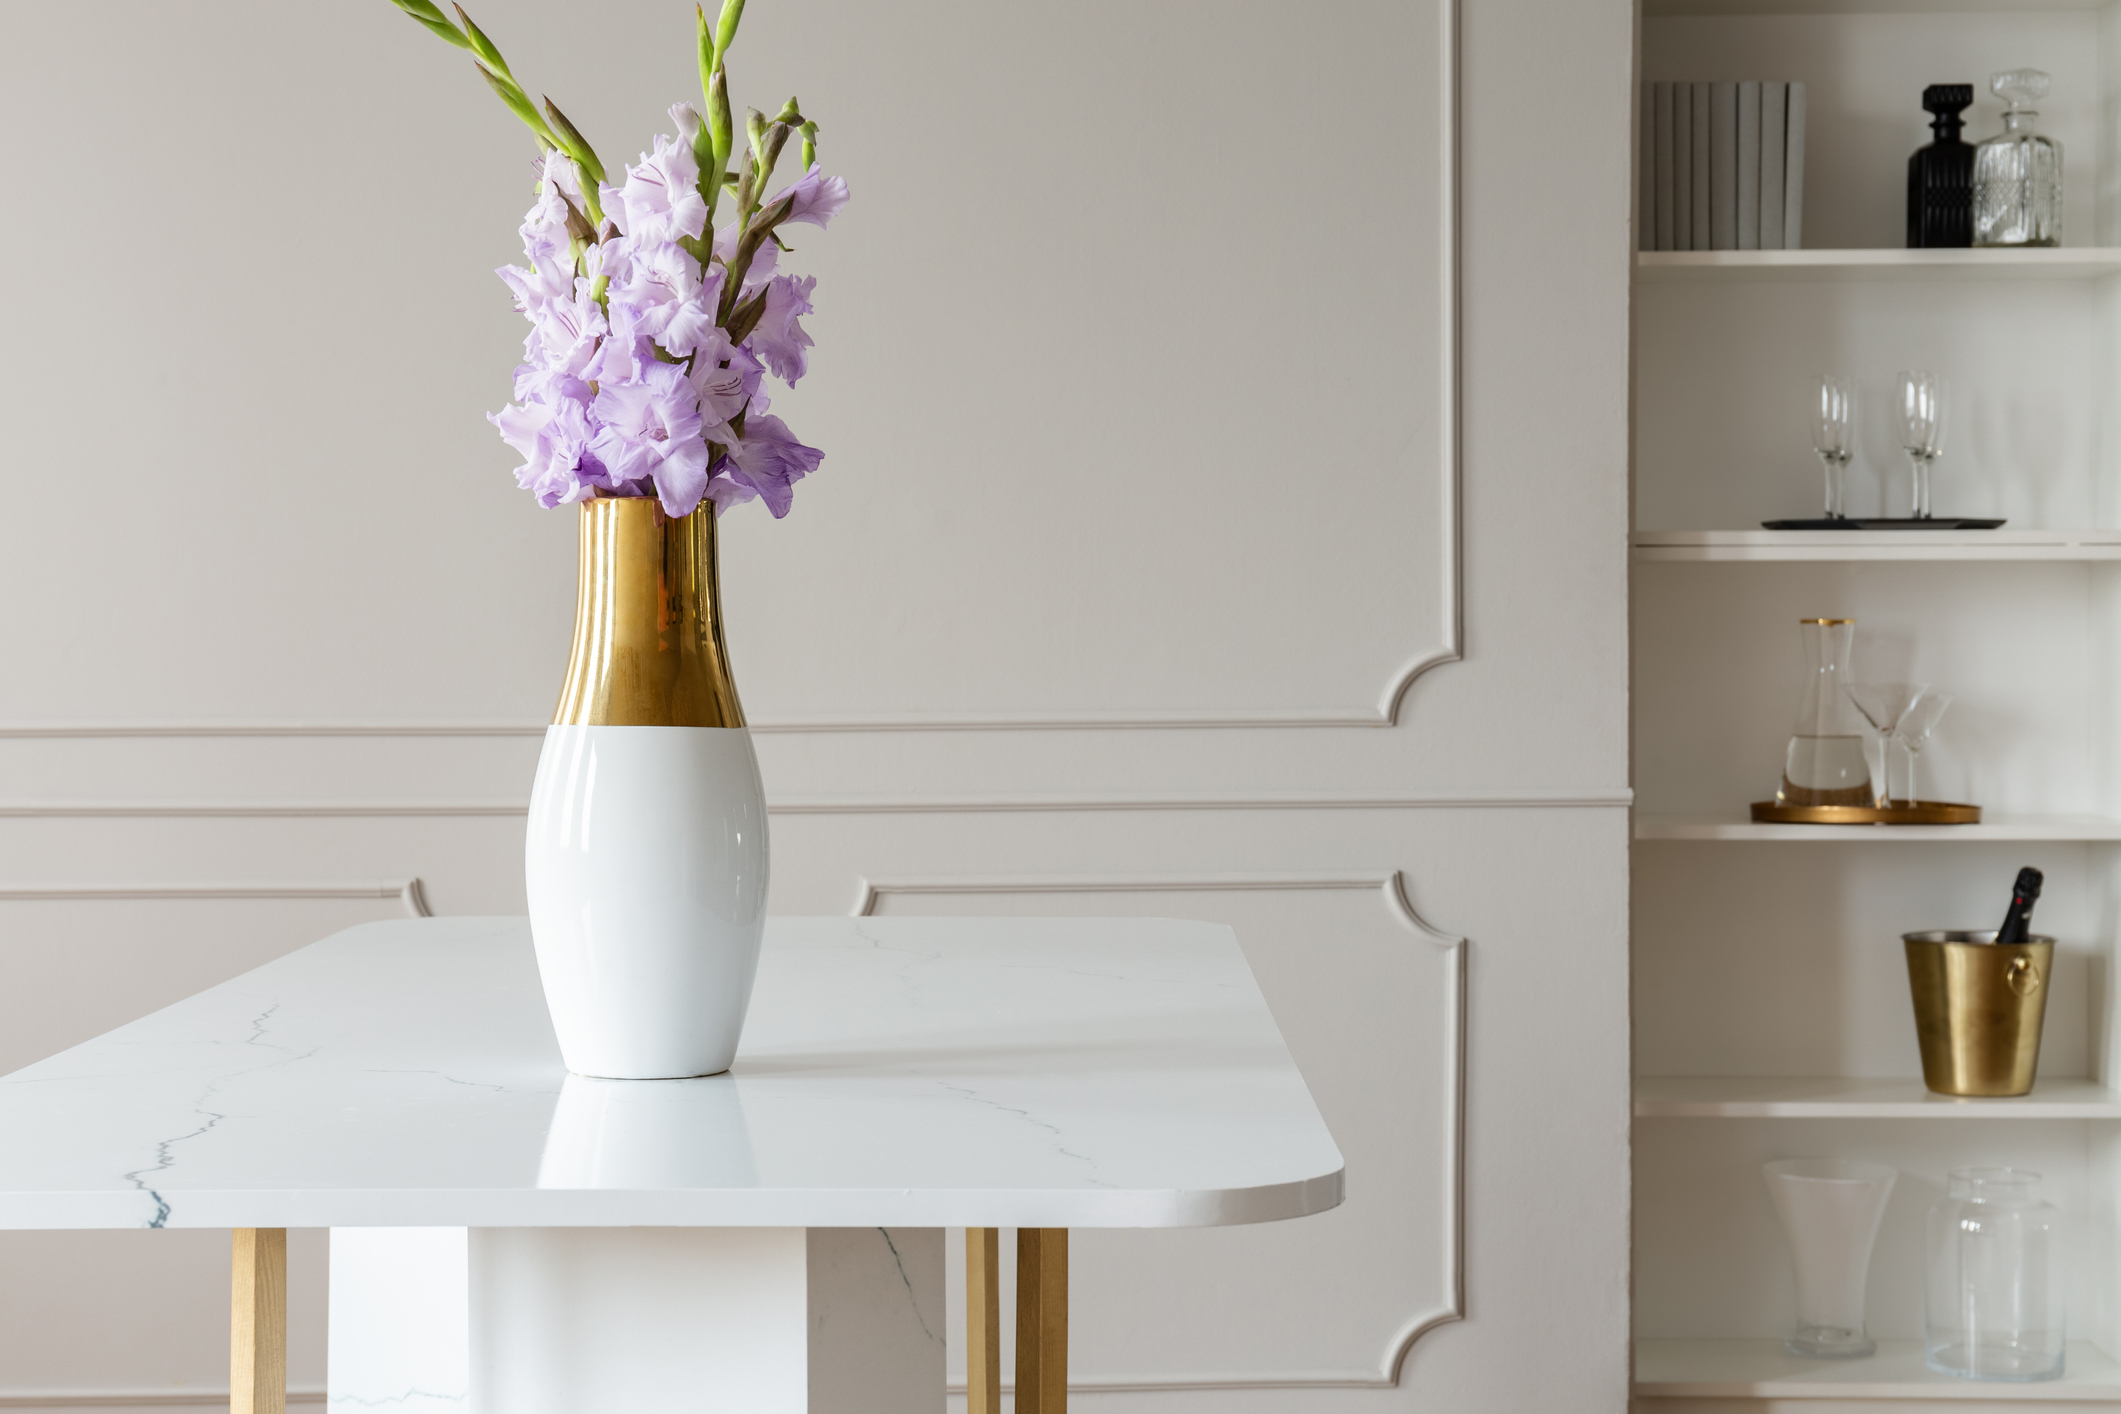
(1826, 763)
(2018, 173)
(1940, 177)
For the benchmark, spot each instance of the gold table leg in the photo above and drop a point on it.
(257, 1328)
(1041, 1320)
(983, 1320)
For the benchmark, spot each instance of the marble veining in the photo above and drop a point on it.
(899, 1072)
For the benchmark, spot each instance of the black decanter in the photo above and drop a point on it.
(1940, 177)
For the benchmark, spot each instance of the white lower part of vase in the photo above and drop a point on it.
(645, 863)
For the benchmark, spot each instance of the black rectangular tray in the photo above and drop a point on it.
(1857, 523)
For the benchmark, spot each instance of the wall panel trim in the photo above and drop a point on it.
(139, 1398)
(409, 892)
(1393, 888)
(877, 805)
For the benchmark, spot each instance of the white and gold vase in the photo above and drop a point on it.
(646, 855)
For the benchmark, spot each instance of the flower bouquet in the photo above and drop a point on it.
(651, 338)
(641, 399)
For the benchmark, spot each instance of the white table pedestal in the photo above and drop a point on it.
(689, 1320)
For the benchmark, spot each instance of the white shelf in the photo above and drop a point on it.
(1654, 8)
(1669, 546)
(1839, 1097)
(1995, 827)
(1761, 1369)
(1727, 266)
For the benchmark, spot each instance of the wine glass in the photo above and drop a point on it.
(1885, 705)
(1835, 399)
(1921, 431)
(1915, 729)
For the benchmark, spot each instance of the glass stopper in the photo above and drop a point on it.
(2019, 87)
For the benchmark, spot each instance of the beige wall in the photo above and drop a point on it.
(1137, 579)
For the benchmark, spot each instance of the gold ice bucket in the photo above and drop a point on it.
(1978, 1009)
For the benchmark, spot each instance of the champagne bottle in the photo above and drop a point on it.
(2018, 922)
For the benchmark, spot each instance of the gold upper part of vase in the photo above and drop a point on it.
(648, 648)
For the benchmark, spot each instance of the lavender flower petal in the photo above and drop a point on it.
(778, 338)
(661, 198)
(815, 198)
(770, 460)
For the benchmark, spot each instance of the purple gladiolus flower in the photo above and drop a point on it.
(778, 339)
(816, 198)
(558, 466)
(564, 333)
(661, 197)
(651, 431)
(559, 189)
(766, 463)
(688, 120)
(673, 303)
(724, 378)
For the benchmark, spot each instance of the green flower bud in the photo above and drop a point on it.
(425, 12)
(577, 146)
(483, 47)
(719, 122)
(725, 28)
(706, 47)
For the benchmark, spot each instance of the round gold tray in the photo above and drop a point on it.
(1897, 812)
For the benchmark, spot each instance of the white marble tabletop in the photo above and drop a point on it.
(903, 1071)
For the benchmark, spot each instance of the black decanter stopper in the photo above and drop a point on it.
(1940, 177)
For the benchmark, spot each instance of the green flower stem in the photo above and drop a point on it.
(809, 132)
(519, 103)
(747, 247)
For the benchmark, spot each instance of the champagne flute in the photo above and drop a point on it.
(1921, 431)
(1835, 398)
(1915, 729)
(1885, 705)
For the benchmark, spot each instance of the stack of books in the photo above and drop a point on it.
(1722, 166)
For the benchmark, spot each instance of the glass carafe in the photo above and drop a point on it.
(1994, 1300)
(2018, 173)
(1826, 763)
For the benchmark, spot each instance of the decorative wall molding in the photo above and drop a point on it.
(880, 805)
(254, 809)
(1393, 887)
(1449, 647)
(93, 731)
(409, 892)
(139, 1398)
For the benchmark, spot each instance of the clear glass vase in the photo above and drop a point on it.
(1830, 1210)
(1994, 1296)
(1826, 763)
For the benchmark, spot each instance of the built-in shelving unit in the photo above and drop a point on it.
(1993, 828)
(1760, 1369)
(1752, 966)
(2060, 263)
(1881, 546)
(1837, 1097)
